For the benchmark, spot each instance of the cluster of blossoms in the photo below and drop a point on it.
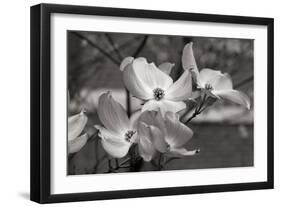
(157, 127)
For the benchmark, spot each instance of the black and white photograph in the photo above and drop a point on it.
(142, 102)
(129, 103)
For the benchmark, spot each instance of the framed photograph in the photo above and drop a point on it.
(132, 103)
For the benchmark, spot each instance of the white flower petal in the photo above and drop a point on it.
(177, 133)
(195, 94)
(105, 133)
(146, 149)
(179, 152)
(157, 137)
(114, 144)
(112, 114)
(188, 60)
(172, 116)
(153, 118)
(76, 144)
(150, 75)
(209, 93)
(181, 89)
(173, 106)
(166, 67)
(136, 86)
(222, 82)
(234, 96)
(115, 148)
(215, 78)
(151, 105)
(76, 124)
(160, 122)
(148, 117)
(206, 75)
(145, 145)
(126, 61)
(164, 106)
(134, 118)
(135, 137)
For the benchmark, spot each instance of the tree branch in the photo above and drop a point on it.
(116, 62)
(142, 44)
(111, 41)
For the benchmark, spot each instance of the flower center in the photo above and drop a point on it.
(208, 86)
(158, 94)
(129, 135)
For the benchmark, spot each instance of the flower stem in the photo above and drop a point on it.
(110, 169)
(125, 161)
(132, 158)
(116, 162)
(198, 110)
(128, 103)
(160, 166)
(118, 166)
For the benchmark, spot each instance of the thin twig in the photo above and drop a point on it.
(190, 107)
(142, 44)
(119, 47)
(193, 116)
(111, 41)
(113, 169)
(160, 162)
(98, 48)
(110, 169)
(122, 163)
(198, 110)
(243, 82)
(125, 44)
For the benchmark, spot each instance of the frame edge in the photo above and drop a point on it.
(270, 103)
(40, 120)
(35, 135)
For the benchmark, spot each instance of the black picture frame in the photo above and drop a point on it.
(41, 102)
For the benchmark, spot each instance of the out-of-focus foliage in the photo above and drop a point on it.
(91, 73)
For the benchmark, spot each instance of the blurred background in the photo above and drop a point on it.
(223, 132)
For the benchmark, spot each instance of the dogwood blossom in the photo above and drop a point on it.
(168, 135)
(153, 85)
(212, 82)
(76, 124)
(119, 132)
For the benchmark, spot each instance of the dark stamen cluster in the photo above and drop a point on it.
(158, 94)
(208, 86)
(129, 135)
